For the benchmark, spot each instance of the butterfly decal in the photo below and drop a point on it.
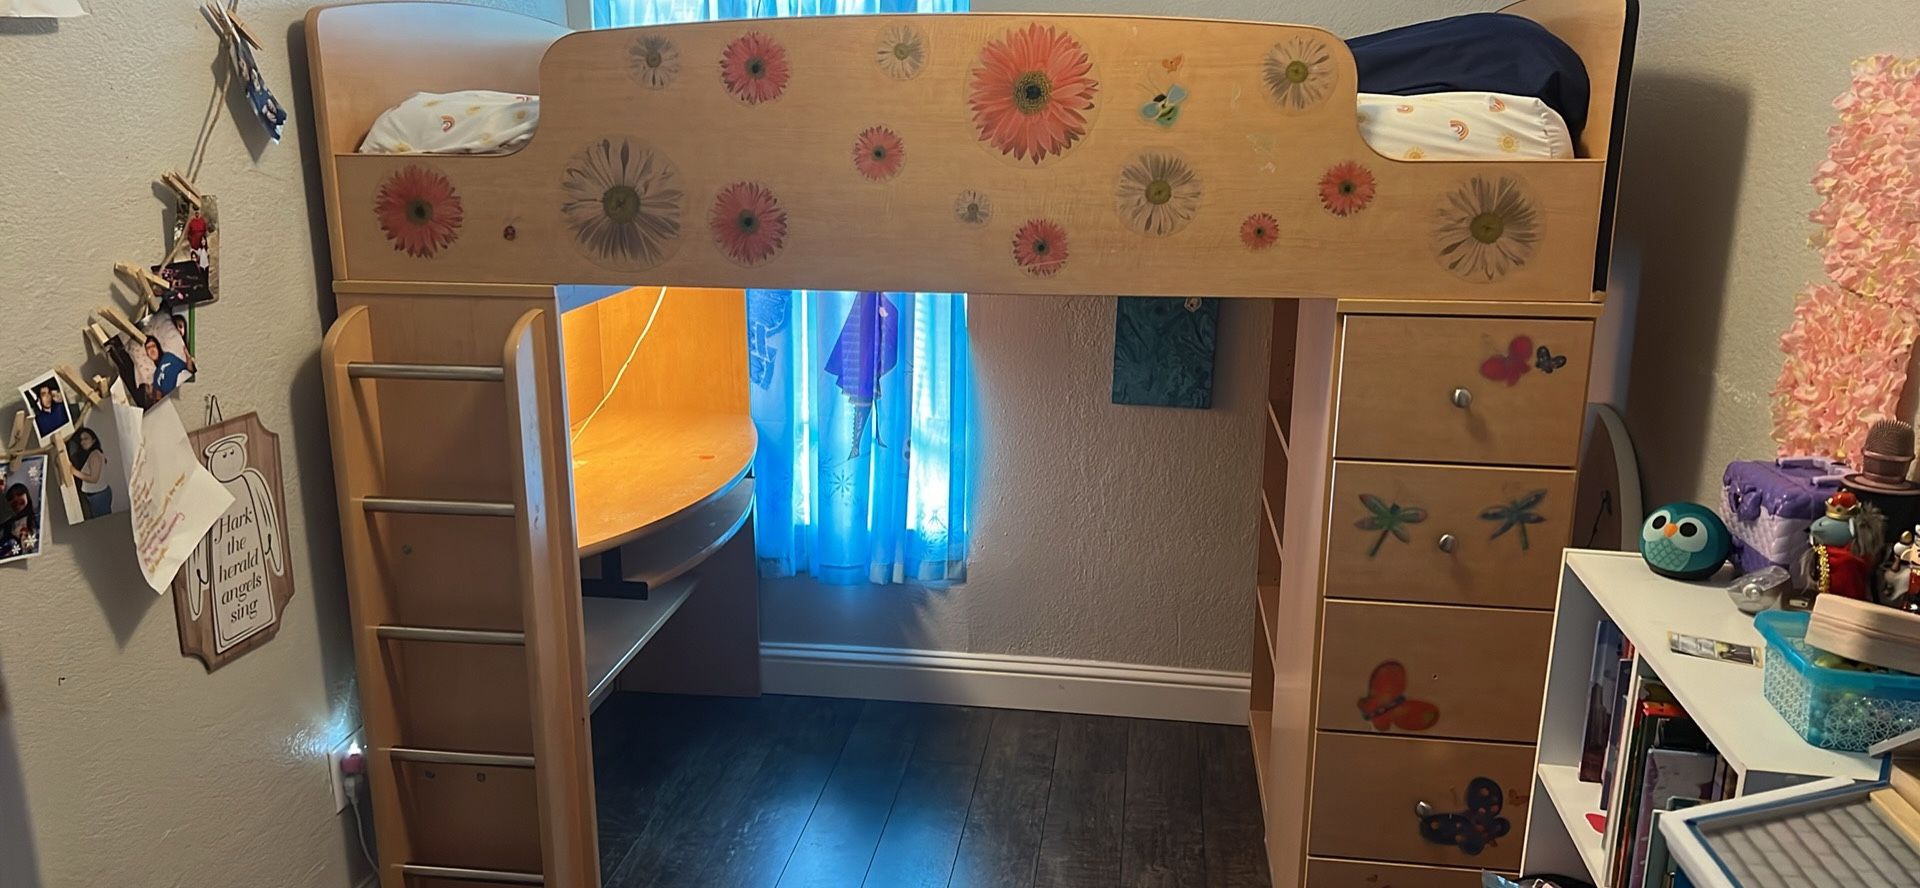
(1173, 63)
(1547, 361)
(1386, 704)
(1459, 128)
(1471, 830)
(1164, 108)
(1508, 368)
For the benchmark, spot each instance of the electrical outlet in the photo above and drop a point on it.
(337, 779)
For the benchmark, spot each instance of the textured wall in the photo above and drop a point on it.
(121, 763)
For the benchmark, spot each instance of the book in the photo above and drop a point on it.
(1669, 774)
(1646, 721)
(1661, 871)
(1628, 689)
(1603, 690)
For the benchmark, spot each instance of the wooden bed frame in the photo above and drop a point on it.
(1432, 330)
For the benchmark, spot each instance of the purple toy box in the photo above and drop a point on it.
(1769, 506)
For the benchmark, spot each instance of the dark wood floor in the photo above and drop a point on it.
(803, 792)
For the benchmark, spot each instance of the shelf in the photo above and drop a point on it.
(1573, 800)
(633, 471)
(663, 555)
(1279, 431)
(1722, 698)
(1269, 597)
(617, 628)
(1273, 527)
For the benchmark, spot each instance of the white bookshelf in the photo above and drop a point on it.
(1722, 698)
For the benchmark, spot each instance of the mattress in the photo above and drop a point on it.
(1436, 126)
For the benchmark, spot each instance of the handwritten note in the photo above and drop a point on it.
(174, 499)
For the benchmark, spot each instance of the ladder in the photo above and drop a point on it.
(456, 525)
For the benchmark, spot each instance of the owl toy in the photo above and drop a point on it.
(1685, 541)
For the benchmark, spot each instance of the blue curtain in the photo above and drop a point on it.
(863, 400)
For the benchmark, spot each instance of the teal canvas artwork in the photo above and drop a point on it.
(1163, 351)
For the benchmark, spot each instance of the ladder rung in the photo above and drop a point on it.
(441, 372)
(451, 636)
(502, 877)
(436, 506)
(449, 757)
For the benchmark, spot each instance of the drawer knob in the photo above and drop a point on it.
(1461, 398)
(1448, 542)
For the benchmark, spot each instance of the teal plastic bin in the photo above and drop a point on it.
(1832, 708)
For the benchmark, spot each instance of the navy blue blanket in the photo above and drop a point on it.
(1482, 52)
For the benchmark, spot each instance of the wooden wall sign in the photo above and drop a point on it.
(230, 595)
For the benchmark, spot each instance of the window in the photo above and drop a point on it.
(863, 400)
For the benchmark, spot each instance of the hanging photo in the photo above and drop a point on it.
(232, 591)
(96, 482)
(22, 534)
(192, 273)
(153, 367)
(265, 106)
(48, 407)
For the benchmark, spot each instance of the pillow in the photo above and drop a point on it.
(474, 121)
(1463, 125)
(1482, 52)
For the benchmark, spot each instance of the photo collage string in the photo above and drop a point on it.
(94, 442)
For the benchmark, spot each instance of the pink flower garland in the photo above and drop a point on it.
(1850, 340)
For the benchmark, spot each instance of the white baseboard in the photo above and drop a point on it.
(1004, 682)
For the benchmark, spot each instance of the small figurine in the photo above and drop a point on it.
(1846, 543)
(1900, 575)
(1685, 541)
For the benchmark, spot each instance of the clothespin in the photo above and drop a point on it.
(120, 321)
(172, 179)
(234, 28)
(150, 285)
(99, 335)
(74, 379)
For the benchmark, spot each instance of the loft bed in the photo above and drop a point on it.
(539, 507)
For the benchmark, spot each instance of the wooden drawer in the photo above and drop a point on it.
(1464, 672)
(1369, 874)
(1366, 790)
(1398, 376)
(1447, 534)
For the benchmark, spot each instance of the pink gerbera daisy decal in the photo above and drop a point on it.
(754, 68)
(878, 153)
(1346, 189)
(1032, 92)
(1259, 231)
(749, 225)
(1040, 247)
(418, 210)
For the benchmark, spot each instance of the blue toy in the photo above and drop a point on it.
(1685, 541)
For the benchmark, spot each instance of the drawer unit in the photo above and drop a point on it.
(1421, 670)
(1472, 390)
(1370, 792)
(1323, 873)
(1447, 534)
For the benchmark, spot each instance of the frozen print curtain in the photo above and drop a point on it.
(863, 400)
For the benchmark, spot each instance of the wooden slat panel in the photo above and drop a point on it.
(458, 815)
(1323, 873)
(1252, 156)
